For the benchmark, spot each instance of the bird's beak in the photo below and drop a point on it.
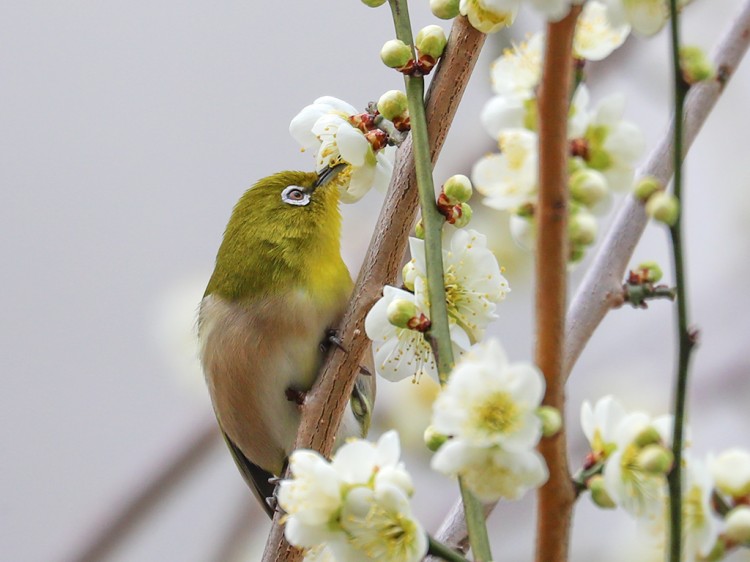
(328, 174)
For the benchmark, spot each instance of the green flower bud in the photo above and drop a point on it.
(651, 271)
(433, 439)
(738, 524)
(393, 104)
(400, 312)
(696, 67)
(648, 436)
(395, 53)
(588, 186)
(663, 207)
(655, 459)
(576, 253)
(409, 274)
(431, 41)
(444, 9)
(582, 228)
(465, 215)
(373, 3)
(599, 493)
(646, 187)
(551, 420)
(457, 189)
(419, 229)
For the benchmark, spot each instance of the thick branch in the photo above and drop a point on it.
(325, 403)
(601, 289)
(556, 497)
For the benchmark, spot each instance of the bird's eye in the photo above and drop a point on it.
(294, 195)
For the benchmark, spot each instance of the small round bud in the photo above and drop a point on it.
(409, 274)
(588, 186)
(599, 493)
(373, 3)
(646, 187)
(663, 207)
(433, 439)
(738, 524)
(395, 53)
(696, 67)
(576, 253)
(457, 189)
(649, 436)
(655, 459)
(444, 9)
(463, 215)
(650, 271)
(582, 228)
(400, 312)
(731, 472)
(431, 41)
(393, 104)
(551, 420)
(419, 229)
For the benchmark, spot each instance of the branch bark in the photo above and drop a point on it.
(324, 407)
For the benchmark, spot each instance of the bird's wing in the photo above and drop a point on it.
(255, 476)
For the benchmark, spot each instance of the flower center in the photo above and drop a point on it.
(384, 535)
(498, 413)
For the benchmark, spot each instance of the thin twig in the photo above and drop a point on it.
(325, 403)
(556, 497)
(601, 289)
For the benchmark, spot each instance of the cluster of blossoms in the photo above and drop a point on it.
(486, 422)
(340, 134)
(474, 285)
(628, 466)
(603, 148)
(353, 508)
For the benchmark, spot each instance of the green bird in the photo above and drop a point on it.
(278, 289)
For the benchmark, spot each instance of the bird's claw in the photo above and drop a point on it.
(296, 396)
(365, 371)
(332, 338)
(273, 503)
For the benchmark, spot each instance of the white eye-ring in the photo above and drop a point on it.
(294, 195)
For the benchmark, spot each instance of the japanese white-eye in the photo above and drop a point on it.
(278, 288)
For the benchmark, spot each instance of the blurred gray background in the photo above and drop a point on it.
(127, 132)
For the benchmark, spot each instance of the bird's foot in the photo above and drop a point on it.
(296, 396)
(332, 338)
(273, 503)
(365, 371)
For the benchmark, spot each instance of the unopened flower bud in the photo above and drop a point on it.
(646, 187)
(433, 439)
(400, 312)
(588, 186)
(650, 271)
(599, 493)
(731, 472)
(431, 41)
(444, 9)
(576, 253)
(582, 228)
(648, 436)
(696, 67)
(409, 274)
(395, 53)
(738, 524)
(392, 104)
(655, 459)
(663, 207)
(457, 189)
(373, 3)
(419, 229)
(551, 420)
(463, 215)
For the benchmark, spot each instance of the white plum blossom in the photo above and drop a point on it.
(600, 422)
(355, 507)
(595, 37)
(488, 409)
(473, 281)
(700, 528)
(508, 180)
(401, 352)
(554, 10)
(516, 73)
(325, 126)
(489, 16)
(646, 17)
(731, 471)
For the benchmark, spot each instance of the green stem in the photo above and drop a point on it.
(433, 226)
(684, 336)
(443, 551)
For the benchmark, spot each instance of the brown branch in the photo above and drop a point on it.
(556, 497)
(325, 403)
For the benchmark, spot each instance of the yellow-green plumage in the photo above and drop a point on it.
(279, 284)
